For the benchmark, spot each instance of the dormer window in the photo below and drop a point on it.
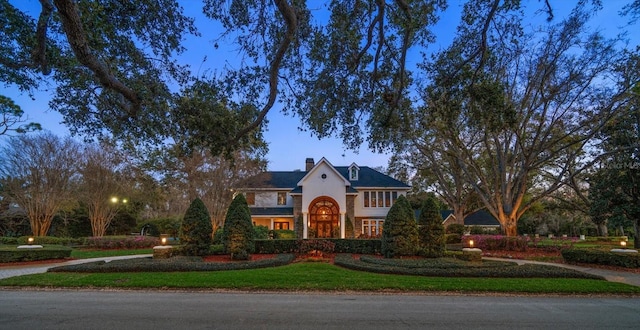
(353, 172)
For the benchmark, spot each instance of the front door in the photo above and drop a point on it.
(324, 229)
(324, 216)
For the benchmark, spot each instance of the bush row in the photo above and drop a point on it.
(48, 240)
(121, 242)
(504, 270)
(14, 254)
(600, 257)
(360, 246)
(175, 264)
(496, 242)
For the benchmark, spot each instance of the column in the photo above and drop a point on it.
(305, 225)
(342, 224)
(271, 224)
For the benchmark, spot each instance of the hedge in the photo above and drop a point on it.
(600, 257)
(455, 268)
(359, 246)
(121, 242)
(50, 240)
(175, 264)
(13, 254)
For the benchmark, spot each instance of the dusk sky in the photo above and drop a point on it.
(288, 146)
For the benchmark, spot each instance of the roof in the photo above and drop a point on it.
(367, 178)
(480, 218)
(266, 211)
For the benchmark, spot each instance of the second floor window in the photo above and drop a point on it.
(379, 198)
(282, 198)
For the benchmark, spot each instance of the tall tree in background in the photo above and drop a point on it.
(186, 176)
(513, 109)
(615, 187)
(103, 188)
(39, 173)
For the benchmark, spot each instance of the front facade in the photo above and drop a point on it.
(324, 200)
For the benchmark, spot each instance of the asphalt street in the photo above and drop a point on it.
(88, 309)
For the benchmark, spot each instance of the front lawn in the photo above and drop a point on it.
(310, 276)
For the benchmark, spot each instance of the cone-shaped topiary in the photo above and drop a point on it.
(400, 233)
(238, 234)
(431, 230)
(196, 230)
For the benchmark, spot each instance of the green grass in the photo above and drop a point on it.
(86, 254)
(318, 277)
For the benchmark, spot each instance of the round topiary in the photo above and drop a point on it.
(400, 233)
(431, 230)
(196, 230)
(238, 233)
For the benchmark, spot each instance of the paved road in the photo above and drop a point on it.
(210, 310)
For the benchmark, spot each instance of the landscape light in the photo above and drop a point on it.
(471, 243)
(163, 241)
(623, 244)
(30, 240)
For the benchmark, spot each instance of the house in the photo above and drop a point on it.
(319, 201)
(481, 219)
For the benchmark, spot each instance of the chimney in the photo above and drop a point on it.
(309, 163)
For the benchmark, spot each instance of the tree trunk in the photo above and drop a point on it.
(602, 229)
(508, 223)
(636, 238)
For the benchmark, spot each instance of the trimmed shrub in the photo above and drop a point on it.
(9, 240)
(196, 230)
(453, 238)
(316, 245)
(431, 230)
(600, 257)
(238, 234)
(260, 232)
(50, 240)
(121, 242)
(174, 264)
(13, 254)
(448, 267)
(400, 232)
(271, 246)
(455, 228)
(497, 242)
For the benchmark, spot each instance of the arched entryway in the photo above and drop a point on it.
(324, 218)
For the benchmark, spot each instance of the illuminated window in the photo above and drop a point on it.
(379, 198)
(282, 198)
(281, 225)
(372, 227)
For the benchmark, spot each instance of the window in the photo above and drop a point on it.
(379, 198)
(372, 227)
(282, 198)
(251, 198)
(281, 225)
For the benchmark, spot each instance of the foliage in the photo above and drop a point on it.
(453, 238)
(121, 242)
(271, 246)
(400, 232)
(455, 228)
(46, 184)
(174, 264)
(431, 230)
(316, 246)
(600, 257)
(509, 108)
(51, 240)
(238, 231)
(260, 232)
(284, 234)
(14, 254)
(457, 268)
(497, 242)
(196, 231)
(11, 118)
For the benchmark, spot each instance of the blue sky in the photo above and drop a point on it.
(288, 146)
